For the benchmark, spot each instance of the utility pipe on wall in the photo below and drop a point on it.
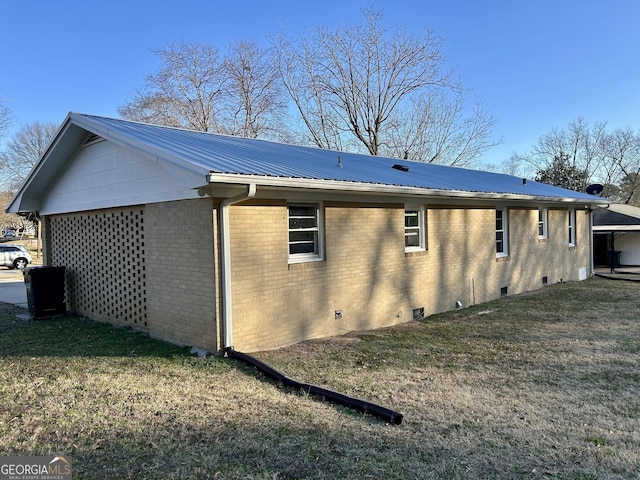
(225, 246)
(592, 266)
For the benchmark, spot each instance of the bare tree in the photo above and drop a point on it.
(255, 102)
(6, 118)
(435, 130)
(186, 92)
(199, 89)
(24, 150)
(582, 145)
(382, 91)
(608, 157)
(622, 151)
(516, 165)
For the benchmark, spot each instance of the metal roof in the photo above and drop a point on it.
(216, 159)
(222, 154)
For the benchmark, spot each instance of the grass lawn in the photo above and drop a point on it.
(543, 385)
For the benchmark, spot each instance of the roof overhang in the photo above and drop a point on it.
(72, 135)
(64, 145)
(616, 228)
(195, 172)
(324, 185)
(623, 209)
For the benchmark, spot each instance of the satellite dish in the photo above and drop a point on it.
(595, 189)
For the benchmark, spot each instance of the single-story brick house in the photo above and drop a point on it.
(217, 241)
(616, 229)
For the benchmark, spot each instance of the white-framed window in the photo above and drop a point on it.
(543, 223)
(415, 235)
(305, 232)
(502, 232)
(571, 224)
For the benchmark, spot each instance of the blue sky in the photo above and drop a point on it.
(537, 64)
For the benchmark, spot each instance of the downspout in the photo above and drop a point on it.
(387, 414)
(592, 265)
(225, 246)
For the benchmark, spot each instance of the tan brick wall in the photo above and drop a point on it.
(276, 304)
(365, 273)
(181, 274)
(461, 263)
(150, 267)
(368, 276)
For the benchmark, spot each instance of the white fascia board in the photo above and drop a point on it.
(16, 204)
(616, 228)
(381, 189)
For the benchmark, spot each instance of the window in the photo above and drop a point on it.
(305, 239)
(414, 229)
(572, 227)
(502, 244)
(543, 231)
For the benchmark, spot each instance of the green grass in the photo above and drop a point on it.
(543, 385)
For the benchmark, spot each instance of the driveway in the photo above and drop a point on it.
(631, 274)
(12, 288)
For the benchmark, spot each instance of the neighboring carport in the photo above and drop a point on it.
(616, 236)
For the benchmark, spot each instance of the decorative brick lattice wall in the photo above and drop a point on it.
(104, 254)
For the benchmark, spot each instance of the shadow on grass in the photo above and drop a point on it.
(72, 336)
(138, 419)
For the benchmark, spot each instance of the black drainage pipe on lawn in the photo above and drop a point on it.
(384, 413)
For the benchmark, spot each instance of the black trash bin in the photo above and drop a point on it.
(45, 291)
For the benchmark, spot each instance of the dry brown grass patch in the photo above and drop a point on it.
(542, 386)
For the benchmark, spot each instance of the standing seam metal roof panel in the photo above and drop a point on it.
(237, 155)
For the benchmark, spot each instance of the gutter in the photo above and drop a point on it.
(225, 247)
(375, 188)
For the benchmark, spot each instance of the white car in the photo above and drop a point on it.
(14, 256)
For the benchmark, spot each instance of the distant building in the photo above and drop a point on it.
(616, 234)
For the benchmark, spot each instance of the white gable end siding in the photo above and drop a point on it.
(105, 175)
